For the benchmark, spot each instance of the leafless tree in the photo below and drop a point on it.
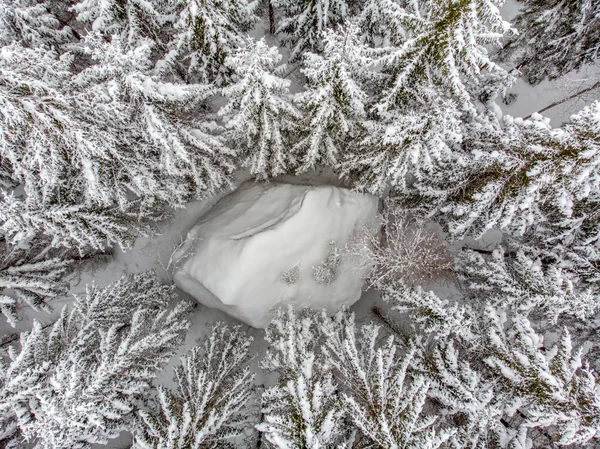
(405, 250)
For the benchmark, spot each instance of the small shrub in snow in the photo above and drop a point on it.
(291, 276)
(326, 272)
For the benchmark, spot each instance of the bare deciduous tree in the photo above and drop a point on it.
(405, 250)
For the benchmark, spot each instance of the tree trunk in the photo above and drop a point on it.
(271, 17)
(564, 100)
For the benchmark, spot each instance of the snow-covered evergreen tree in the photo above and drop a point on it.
(132, 20)
(470, 402)
(69, 227)
(303, 409)
(305, 21)
(529, 172)
(214, 383)
(553, 388)
(381, 22)
(32, 23)
(79, 383)
(333, 102)
(259, 116)
(555, 37)
(174, 158)
(109, 130)
(526, 285)
(444, 43)
(206, 33)
(383, 401)
(24, 279)
(426, 86)
(402, 143)
(430, 315)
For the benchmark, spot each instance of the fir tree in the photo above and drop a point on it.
(302, 410)
(79, 382)
(333, 103)
(259, 116)
(555, 37)
(213, 385)
(206, 33)
(304, 22)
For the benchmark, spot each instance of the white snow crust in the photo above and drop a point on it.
(258, 248)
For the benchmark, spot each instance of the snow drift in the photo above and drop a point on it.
(269, 245)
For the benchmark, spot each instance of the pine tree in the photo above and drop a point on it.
(383, 401)
(333, 102)
(31, 23)
(302, 410)
(79, 383)
(305, 21)
(214, 383)
(259, 116)
(206, 33)
(553, 387)
(555, 37)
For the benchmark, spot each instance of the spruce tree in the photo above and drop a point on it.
(208, 408)
(132, 20)
(80, 382)
(305, 21)
(333, 103)
(302, 410)
(260, 119)
(555, 37)
(206, 33)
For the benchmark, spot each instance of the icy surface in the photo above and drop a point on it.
(268, 245)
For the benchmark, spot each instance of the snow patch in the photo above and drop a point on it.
(267, 245)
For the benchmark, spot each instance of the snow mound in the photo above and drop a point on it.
(268, 245)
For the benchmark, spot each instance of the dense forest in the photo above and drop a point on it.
(114, 113)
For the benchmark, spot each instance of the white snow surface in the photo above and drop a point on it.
(235, 258)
